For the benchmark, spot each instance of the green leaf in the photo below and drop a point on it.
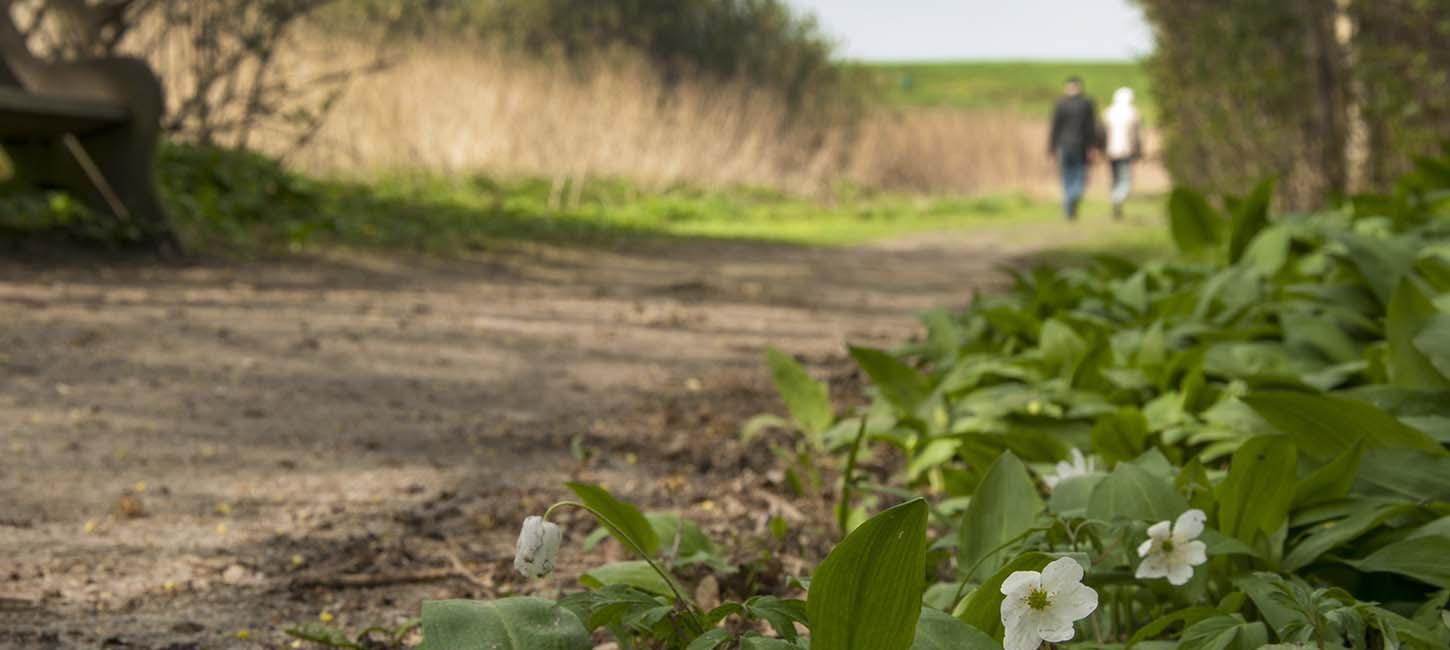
(1188, 617)
(622, 519)
(1071, 496)
(782, 614)
(1249, 218)
(1323, 426)
(983, 608)
(1195, 224)
(1420, 558)
(1132, 492)
(1384, 264)
(1332, 481)
(1433, 341)
(1061, 347)
(899, 383)
(1405, 473)
(808, 400)
(1409, 313)
(1121, 436)
(322, 635)
(757, 642)
(684, 539)
(866, 595)
(1255, 496)
(709, 640)
(632, 573)
(1326, 536)
(1004, 506)
(507, 624)
(937, 630)
(1224, 633)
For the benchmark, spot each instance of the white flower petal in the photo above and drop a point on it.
(1189, 525)
(1056, 634)
(1050, 480)
(1179, 574)
(1022, 635)
(1021, 583)
(1075, 603)
(1194, 553)
(1156, 565)
(1061, 575)
(537, 548)
(1143, 548)
(1161, 530)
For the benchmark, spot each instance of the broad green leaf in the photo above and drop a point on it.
(622, 519)
(1132, 492)
(808, 400)
(1255, 496)
(632, 573)
(1433, 341)
(1332, 481)
(709, 640)
(1121, 436)
(1224, 633)
(1071, 497)
(1061, 347)
(1188, 617)
(1327, 536)
(1405, 473)
(1249, 219)
(1384, 264)
(1323, 426)
(937, 630)
(782, 614)
(982, 609)
(899, 383)
(507, 624)
(1426, 559)
(1004, 506)
(1409, 313)
(757, 642)
(1268, 252)
(1195, 224)
(685, 540)
(866, 595)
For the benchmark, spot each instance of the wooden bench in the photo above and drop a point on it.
(91, 127)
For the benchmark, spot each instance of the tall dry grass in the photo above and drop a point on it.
(463, 108)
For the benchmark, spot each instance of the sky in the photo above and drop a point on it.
(912, 30)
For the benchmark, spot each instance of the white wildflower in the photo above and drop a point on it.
(538, 547)
(1080, 466)
(1043, 606)
(1173, 552)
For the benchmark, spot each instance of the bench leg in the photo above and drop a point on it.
(114, 165)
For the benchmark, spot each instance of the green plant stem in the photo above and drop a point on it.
(633, 545)
(961, 587)
(843, 509)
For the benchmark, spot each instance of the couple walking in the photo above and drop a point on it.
(1077, 137)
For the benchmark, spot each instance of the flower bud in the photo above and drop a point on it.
(538, 547)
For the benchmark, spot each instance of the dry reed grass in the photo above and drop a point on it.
(457, 108)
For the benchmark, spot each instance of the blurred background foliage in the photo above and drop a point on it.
(1336, 97)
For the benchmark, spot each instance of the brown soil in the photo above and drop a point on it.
(190, 452)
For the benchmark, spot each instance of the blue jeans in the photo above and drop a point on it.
(1073, 165)
(1122, 179)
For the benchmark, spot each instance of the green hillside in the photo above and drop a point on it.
(1029, 87)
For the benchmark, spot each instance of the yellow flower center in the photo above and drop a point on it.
(1038, 600)
(1167, 546)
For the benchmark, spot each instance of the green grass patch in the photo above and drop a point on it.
(234, 203)
(1029, 87)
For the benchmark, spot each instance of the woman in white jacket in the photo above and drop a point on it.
(1124, 144)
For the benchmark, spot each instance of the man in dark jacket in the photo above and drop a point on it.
(1073, 140)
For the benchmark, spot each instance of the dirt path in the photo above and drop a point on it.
(188, 453)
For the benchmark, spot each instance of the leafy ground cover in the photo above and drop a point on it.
(239, 203)
(1244, 447)
(1024, 86)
